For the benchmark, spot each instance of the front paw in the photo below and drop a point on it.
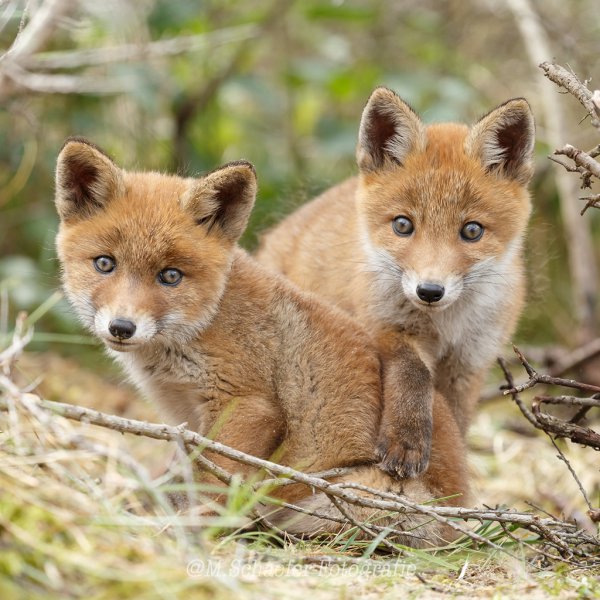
(403, 456)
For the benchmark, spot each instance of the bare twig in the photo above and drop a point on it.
(571, 83)
(552, 426)
(560, 428)
(75, 59)
(582, 159)
(561, 456)
(590, 202)
(535, 378)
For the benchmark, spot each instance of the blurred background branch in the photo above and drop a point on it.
(178, 86)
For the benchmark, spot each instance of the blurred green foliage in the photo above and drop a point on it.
(285, 91)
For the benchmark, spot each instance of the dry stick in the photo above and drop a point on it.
(563, 548)
(540, 420)
(535, 378)
(440, 513)
(538, 550)
(550, 424)
(569, 401)
(590, 202)
(563, 363)
(585, 403)
(576, 433)
(571, 83)
(319, 515)
(512, 390)
(569, 466)
(580, 158)
(38, 31)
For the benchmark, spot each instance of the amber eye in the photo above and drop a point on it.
(471, 231)
(104, 264)
(402, 226)
(170, 276)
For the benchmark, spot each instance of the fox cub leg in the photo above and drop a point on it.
(404, 441)
(247, 424)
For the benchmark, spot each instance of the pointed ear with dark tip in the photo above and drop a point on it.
(222, 200)
(389, 131)
(86, 179)
(503, 140)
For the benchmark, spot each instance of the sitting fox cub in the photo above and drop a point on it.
(151, 266)
(424, 248)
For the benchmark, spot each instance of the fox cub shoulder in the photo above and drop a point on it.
(425, 245)
(151, 266)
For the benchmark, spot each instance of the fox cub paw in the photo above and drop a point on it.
(403, 456)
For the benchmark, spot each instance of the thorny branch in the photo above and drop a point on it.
(584, 163)
(553, 426)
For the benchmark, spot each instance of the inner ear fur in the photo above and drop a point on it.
(222, 200)
(86, 179)
(389, 130)
(503, 140)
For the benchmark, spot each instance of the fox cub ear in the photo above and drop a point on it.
(389, 131)
(223, 199)
(503, 140)
(86, 179)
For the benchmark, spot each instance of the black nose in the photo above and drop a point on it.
(121, 328)
(430, 292)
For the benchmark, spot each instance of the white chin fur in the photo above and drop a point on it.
(111, 344)
(429, 307)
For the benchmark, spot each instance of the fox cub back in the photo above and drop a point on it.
(425, 245)
(151, 266)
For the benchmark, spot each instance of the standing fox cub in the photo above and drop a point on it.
(151, 266)
(424, 248)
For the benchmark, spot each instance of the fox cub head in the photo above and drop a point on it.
(443, 207)
(145, 256)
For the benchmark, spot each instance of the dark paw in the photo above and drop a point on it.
(403, 458)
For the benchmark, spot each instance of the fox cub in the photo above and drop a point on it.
(151, 267)
(424, 249)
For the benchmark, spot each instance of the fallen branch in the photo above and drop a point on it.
(565, 532)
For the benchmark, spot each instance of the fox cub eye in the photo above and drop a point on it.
(471, 231)
(402, 226)
(170, 276)
(105, 264)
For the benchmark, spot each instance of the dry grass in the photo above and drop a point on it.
(83, 512)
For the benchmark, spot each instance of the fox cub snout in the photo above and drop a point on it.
(137, 272)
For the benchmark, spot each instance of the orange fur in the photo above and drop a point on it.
(231, 349)
(342, 246)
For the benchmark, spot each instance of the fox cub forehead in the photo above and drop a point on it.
(501, 142)
(90, 187)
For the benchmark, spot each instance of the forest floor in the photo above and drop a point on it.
(80, 515)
